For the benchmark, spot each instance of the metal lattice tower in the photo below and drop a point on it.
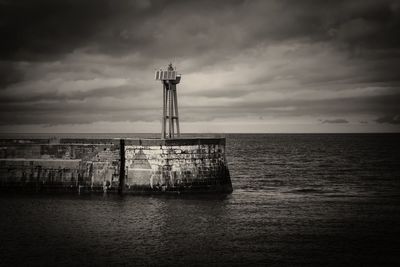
(170, 118)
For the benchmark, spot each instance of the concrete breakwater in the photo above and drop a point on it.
(115, 165)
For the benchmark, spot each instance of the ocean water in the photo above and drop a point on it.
(298, 200)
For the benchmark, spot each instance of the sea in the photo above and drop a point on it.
(298, 200)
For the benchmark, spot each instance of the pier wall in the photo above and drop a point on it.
(59, 165)
(114, 165)
(177, 165)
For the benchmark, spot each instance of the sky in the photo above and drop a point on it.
(247, 66)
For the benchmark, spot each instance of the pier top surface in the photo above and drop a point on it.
(127, 141)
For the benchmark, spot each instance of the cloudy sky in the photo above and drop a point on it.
(247, 66)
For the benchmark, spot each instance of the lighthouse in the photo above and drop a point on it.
(170, 116)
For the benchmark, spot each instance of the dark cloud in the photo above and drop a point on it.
(9, 74)
(43, 29)
(335, 121)
(40, 28)
(391, 119)
(85, 61)
(116, 92)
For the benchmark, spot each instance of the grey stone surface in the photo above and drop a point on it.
(94, 165)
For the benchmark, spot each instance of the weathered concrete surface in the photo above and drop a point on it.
(126, 165)
(62, 165)
(177, 165)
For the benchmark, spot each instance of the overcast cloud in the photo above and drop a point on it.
(247, 66)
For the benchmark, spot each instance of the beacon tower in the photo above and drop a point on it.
(170, 117)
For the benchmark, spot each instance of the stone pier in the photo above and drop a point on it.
(115, 165)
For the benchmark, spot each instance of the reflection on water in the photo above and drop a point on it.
(297, 200)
